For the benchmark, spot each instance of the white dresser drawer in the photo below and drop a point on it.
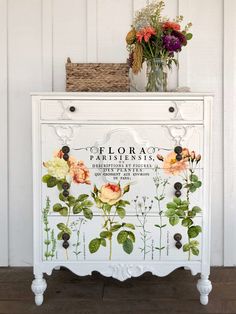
(131, 110)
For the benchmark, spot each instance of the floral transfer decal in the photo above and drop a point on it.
(109, 199)
(63, 171)
(182, 162)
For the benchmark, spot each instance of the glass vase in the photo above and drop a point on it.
(157, 75)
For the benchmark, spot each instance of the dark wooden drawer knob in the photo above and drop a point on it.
(65, 186)
(65, 193)
(65, 157)
(72, 109)
(178, 237)
(171, 109)
(65, 149)
(178, 186)
(66, 236)
(178, 150)
(65, 244)
(178, 245)
(177, 193)
(179, 157)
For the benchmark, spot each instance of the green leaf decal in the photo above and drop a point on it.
(88, 213)
(128, 246)
(105, 234)
(195, 250)
(193, 178)
(128, 225)
(196, 209)
(121, 212)
(174, 220)
(171, 205)
(61, 226)
(45, 178)
(94, 245)
(82, 197)
(186, 247)
(115, 228)
(194, 231)
(177, 200)
(198, 184)
(77, 208)
(51, 182)
(131, 236)
(122, 236)
(187, 222)
(63, 211)
(57, 207)
(103, 242)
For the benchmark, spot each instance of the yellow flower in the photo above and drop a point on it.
(131, 36)
(57, 167)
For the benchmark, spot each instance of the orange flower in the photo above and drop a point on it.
(171, 25)
(172, 166)
(79, 172)
(145, 33)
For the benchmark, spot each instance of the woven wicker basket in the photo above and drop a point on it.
(97, 77)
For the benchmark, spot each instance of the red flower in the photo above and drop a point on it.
(171, 25)
(145, 33)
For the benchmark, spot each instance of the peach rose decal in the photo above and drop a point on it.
(79, 172)
(172, 165)
(110, 193)
(109, 199)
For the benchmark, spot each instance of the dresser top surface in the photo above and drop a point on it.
(127, 95)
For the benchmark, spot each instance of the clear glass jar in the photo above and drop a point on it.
(157, 75)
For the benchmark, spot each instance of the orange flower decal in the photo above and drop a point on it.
(173, 166)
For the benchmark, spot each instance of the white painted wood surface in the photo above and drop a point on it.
(229, 133)
(43, 33)
(4, 136)
(78, 130)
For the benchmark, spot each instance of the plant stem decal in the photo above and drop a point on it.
(179, 210)
(50, 240)
(160, 196)
(142, 210)
(109, 200)
(76, 227)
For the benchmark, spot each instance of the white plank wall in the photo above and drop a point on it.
(37, 36)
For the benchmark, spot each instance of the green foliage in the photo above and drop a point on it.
(110, 213)
(128, 246)
(179, 211)
(94, 245)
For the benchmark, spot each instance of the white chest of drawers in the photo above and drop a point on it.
(121, 185)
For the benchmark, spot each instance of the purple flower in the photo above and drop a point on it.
(180, 36)
(171, 43)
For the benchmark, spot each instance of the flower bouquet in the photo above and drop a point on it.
(156, 40)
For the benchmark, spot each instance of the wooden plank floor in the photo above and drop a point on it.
(68, 294)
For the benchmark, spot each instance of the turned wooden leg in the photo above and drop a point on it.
(204, 286)
(38, 287)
